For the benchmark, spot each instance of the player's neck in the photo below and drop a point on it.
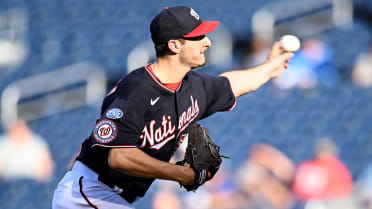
(169, 71)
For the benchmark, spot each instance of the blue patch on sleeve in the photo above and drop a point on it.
(114, 113)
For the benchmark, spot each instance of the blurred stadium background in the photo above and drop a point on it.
(59, 58)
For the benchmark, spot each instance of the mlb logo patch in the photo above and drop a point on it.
(105, 131)
(114, 113)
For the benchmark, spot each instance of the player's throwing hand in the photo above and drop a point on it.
(278, 58)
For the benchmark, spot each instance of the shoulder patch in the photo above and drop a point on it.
(114, 113)
(105, 131)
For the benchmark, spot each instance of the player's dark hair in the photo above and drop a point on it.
(162, 50)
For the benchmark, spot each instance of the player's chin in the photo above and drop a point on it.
(201, 64)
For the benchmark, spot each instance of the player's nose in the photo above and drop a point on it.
(207, 42)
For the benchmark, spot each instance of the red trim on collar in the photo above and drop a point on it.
(150, 68)
(172, 87)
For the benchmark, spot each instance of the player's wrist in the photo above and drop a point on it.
(188, 175)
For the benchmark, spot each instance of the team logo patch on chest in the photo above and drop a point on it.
(114, 113)
(105, 131)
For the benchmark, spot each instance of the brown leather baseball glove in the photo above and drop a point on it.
(203, 156)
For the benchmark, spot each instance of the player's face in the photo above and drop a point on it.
(193, 51)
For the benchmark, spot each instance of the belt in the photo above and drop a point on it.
(129, 197)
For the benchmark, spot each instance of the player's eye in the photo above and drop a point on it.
(196, 38)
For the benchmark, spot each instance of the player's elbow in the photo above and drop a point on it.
(115, 158)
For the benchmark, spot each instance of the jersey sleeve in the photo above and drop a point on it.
(120, 125)
(219, 95)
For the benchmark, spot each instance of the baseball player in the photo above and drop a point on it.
(147, 115)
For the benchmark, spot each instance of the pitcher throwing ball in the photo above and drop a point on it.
(149, 112)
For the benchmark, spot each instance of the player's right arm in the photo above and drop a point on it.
(248, 80)
(135, 162)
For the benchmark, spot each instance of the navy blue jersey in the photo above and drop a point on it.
(141, 112)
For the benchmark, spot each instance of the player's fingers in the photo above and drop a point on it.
(278, 44)
(276, 49)
(287, 56)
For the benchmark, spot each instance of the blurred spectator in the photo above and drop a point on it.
(201, 199)
(362, 71)
(324, 182)
(24, 154)
(221, 191)
(265, 179)
(325, 177)
(254, 50)
(364, 188)
(311, 66)
(166, 197)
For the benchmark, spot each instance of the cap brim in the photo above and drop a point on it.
(204, 28)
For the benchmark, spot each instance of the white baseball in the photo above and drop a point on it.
(290, 43)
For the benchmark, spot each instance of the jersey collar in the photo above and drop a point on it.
(158, 82)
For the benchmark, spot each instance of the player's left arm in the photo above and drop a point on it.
(248, 80)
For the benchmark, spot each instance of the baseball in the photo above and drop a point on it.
(290, 43)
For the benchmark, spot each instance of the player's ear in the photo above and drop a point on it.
(174, 46)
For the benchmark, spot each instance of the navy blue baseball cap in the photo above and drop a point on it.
(179, 22)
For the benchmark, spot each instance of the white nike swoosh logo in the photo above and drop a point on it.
(153, 102)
